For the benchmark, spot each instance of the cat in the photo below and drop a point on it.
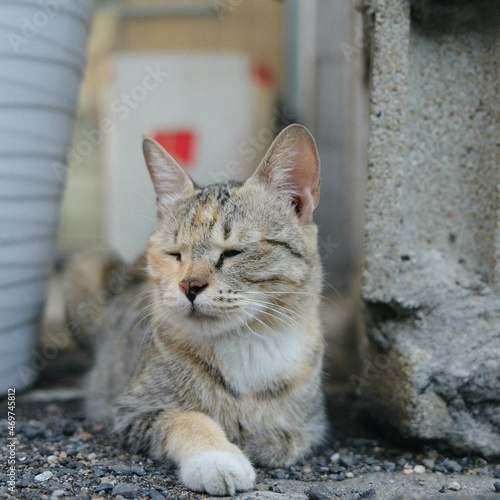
(216, 363)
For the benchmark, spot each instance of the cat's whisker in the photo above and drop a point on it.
(282, 320)
(280, 310)
(323, 297)
(255, 318)
(255, 333)
(148, 218)
(279, 318)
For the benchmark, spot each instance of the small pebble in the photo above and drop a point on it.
(138, 470)
(452, 466)
(154, 495)
(125, 490)
(337, 469)
(280, 474)
(99, 472)
(44, 476)
(320, 492)
(389, 466)
(349, 475)
(439, 468)
(120, 469)
(454, 486)
(369, 493)
(347, 461)
(68, 427)
(497, 486)
(419, 469)
(32, 431)
(429, 463)
(335, 458)
(408, 471)
(91, 456)
(104, 487)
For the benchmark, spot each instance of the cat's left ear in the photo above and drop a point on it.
(169, 178)
(292, 165)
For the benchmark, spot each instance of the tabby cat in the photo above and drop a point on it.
(216, 364)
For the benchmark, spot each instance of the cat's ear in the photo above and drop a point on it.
(169, 178)
(292, 165)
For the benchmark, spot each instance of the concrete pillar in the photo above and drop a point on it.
(431, 273)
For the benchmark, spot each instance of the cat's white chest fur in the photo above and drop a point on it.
(253, 363)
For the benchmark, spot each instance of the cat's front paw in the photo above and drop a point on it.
(218, 473)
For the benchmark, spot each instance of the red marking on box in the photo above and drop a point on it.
(263, 74)
(181, 144)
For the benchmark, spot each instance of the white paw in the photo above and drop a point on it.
(218, 473)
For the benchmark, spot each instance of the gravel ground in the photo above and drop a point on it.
(60, 454)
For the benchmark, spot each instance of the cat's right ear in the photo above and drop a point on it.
(291, 166)
(169, 178)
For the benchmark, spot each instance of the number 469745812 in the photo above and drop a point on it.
(11, 416)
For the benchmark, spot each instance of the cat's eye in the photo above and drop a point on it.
(176, 255)
(226, 255)
(231, 253)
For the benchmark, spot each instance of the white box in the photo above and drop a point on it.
(201, 104)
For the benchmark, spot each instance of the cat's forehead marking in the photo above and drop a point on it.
(212, 201)
(226, 229)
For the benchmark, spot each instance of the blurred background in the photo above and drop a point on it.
(214, 81)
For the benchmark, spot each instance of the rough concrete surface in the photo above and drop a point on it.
(431, 366)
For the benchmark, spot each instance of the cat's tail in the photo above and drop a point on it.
(92, 278)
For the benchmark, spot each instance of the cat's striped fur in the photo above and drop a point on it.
(217, 361)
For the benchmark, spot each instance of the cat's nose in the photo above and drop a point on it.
(192, 287)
